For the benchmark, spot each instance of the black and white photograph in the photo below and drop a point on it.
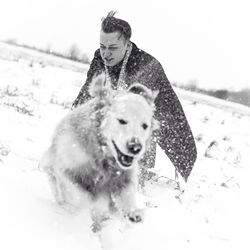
(124, 124)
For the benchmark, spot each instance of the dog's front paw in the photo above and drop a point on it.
(96, 227)
(136, 215)
(98, 221)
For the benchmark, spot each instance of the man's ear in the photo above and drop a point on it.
(147, 93)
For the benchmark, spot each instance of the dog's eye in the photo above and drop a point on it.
(144, 126)
(121, 121)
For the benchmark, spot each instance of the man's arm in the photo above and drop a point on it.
(175, 136)
(94, 69)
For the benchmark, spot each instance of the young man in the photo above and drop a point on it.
(124, 64)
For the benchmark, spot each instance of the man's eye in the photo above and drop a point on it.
(113, 48)
(144, 126)
(123, 122)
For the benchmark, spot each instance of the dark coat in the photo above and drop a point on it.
(175, 136)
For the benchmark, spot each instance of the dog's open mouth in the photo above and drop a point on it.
(125, 160)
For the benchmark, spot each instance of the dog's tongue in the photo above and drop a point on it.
(126, 160)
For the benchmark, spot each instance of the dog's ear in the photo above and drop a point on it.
(155, 124)
(97, 87)
(147, 93)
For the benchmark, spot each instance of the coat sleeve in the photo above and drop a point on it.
(94, 69)
(175, 136)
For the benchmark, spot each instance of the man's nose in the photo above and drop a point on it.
(107, 53)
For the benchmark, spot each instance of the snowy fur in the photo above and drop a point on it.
(97, 146)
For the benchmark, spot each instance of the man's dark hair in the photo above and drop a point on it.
(112, 24)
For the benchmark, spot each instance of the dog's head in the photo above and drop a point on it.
(129, 123)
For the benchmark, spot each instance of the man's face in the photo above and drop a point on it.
(113, 47)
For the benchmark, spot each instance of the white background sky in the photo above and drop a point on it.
(207, 41)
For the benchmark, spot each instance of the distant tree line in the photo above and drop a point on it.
(242, 96)
(73, 52)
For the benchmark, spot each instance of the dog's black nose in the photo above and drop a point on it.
(134, 146)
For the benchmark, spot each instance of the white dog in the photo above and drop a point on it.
(97, 146)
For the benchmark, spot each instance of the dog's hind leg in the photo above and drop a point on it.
(57, 188)
(47, 164)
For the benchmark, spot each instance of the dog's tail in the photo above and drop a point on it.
(97, 87)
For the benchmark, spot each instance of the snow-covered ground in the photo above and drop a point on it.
(213, 212)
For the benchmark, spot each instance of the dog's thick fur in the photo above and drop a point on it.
(97, 146)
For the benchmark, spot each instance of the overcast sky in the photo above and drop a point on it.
(207, 41)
